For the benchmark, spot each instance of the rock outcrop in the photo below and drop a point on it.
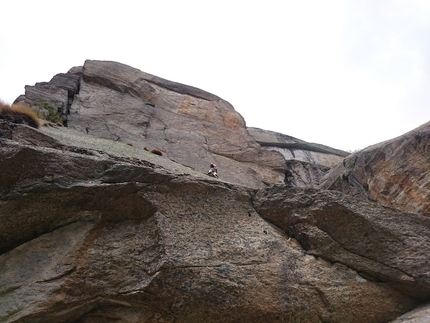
(191, 126)
(418, 315)
(94, 228)
(394, 173)
(97, 231)
(307, 163)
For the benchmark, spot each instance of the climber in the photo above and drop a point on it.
(213, 170)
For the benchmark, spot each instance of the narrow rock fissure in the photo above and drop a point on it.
(364, 257)
(59, 276)
(45, 232)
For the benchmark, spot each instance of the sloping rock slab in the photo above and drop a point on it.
(381, 244)
(190, 126)
(395, 173)
(418, 315)
(307, 163)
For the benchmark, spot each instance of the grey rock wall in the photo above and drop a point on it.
(96, 228)
(307, 163)
(93, 230)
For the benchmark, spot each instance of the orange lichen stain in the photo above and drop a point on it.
(184, 109)
(233, 121)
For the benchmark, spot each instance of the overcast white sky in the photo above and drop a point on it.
(346, 74)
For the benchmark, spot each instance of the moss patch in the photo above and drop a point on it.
(51, 114)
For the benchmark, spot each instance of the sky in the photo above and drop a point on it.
(346, 74)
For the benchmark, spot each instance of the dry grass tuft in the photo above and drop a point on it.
(4, 105)
(18, 113)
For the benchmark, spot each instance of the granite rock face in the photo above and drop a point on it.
(96, 228)
(191, 126)
(418, 315)
(372, 240)
(394, 173)
(93, 230)
(307, 163)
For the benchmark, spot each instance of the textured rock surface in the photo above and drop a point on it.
(306, 163)
(374, 241)
(94, 230)
(192, 127)
(293, 148)
(419, 315)
(120, 103)
(394, 173)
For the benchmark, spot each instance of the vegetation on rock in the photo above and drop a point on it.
(18, 113)
(51, 114)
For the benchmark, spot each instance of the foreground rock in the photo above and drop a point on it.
(419, 315)
(381, 244)
(94, 230)
(394, 173)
